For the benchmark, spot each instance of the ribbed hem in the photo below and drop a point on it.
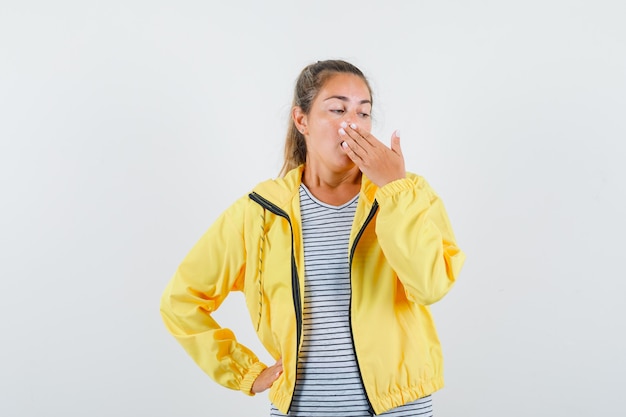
(281, 400)
(386, 401)
(249, 378)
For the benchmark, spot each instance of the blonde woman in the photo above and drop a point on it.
(338, 259)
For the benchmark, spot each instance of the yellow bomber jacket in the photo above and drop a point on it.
(403, 257)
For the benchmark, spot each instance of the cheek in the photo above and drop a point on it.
(331, 126)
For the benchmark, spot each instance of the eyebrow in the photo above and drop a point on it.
(344, 98)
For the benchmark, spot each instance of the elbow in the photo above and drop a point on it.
(438, 280)
(428, 297)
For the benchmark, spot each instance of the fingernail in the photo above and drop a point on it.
(342, 132)
(344, 145)
(344, 124)
(398, 133)
(353, 126)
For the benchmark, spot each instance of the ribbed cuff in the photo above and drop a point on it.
(394, 187)
(249, 378)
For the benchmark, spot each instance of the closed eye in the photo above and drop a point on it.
(338, 111)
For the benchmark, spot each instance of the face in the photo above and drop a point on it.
(344, 98)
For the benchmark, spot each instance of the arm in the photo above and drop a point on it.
(416, 237)
(412, 225)
(212, 269)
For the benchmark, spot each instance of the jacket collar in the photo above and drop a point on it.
(281, 191)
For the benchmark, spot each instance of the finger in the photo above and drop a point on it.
(350, 144)
(277, 369)
(395, 142)
(355, 132)
(350, 152)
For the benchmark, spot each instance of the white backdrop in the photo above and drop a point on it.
(126, 127)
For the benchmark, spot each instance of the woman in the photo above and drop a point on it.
(338, 260)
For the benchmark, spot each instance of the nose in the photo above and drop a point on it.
(351, 117)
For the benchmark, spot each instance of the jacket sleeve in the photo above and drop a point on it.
(416, 237)
(213, 268)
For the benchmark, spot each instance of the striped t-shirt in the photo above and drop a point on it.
(328, 382)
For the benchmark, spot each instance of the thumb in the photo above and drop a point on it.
(395, 142)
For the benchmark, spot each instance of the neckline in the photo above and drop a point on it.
(323, 204)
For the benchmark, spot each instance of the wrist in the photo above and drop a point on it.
(251, 376)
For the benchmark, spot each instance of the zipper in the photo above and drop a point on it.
(369, 218)
(295, 282)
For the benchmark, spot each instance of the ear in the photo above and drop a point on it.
(299, 119)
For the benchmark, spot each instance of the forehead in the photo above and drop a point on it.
(350, 86)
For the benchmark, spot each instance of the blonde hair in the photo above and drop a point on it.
(310, 81)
